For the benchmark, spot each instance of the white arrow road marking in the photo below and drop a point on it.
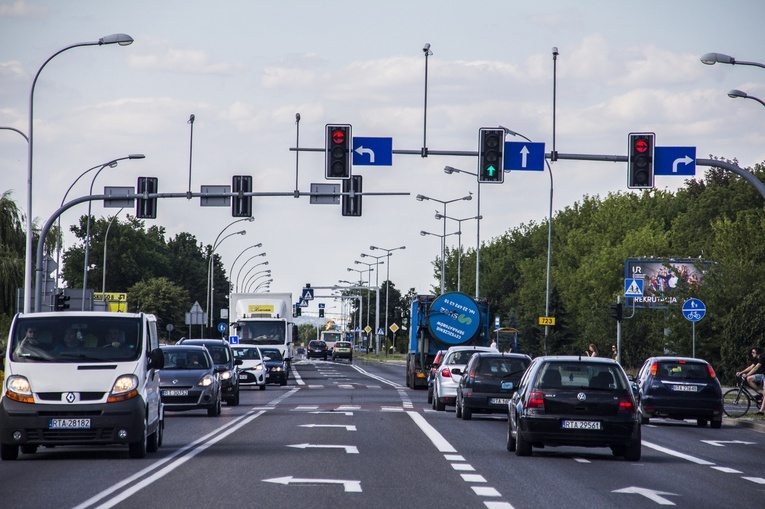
(362, 150)
(677, 162)
(349, 486)
(719, 443)
(349, 449)
(347, 427)
(331, 412)
(524, 155)
(649, 494)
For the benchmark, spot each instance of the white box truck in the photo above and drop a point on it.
(264, 320)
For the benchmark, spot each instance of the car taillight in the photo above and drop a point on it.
(711, 371)
(654, 368)
(536, 400)
(626, 405)
(446, 373)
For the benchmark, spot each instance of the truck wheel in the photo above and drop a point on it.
(9, 452)
(152, 441)
(137, 449)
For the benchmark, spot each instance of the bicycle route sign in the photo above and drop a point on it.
(694, 310)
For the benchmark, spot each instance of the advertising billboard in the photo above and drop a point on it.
(665, 281)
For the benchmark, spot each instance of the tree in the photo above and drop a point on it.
(160, 297)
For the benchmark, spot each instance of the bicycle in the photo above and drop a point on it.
(737, 401)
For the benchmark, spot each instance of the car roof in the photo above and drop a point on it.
(497, 355)
(202, 341)
(667, 358)
(183, 346)
(575, 358)
(476, 348)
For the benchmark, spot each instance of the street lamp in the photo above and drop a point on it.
(122, 40)
(236, 286)
(377, 293)
(231, 269)
(255, 278)
(387, 284)
(110, 164)
(369, 281)
(443, 239)
(738, 93)
(449, 170)
(549, 235)
(106, 237)
(265, 284)
(459, 244)
(210, 285)
(720, 58)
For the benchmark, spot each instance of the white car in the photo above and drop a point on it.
(449, 374)
(252, 372)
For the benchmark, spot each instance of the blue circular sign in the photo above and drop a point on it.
(454, 318)
(694, 310)
(221, 327)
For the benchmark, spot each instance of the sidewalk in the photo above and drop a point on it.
(754, 423)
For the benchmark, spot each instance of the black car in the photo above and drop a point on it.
(189, 379)
(489, 381)
(277, 371)
(318, 349)
(575, 401)
(680, 388)
(226, 364)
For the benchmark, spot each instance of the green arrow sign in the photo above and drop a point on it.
(491, 170)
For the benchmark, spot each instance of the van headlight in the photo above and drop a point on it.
(125, 387)
(19, 389)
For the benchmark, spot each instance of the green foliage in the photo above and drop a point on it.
(161, 297)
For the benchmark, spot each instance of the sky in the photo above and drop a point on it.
(245, 68)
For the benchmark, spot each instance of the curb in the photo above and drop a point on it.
(755, 425)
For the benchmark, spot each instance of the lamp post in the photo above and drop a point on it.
(459, 244)
(106, 237)
(549, 236)
(377, 285)
(266, 284)
(387, 284)
(421, 197)
(231, 269)
(255, 278)
(110, 164)
(122, 40)
(738, 93)
(449, 170)
(236, 286)
(369, 282)
(209, 264)
(720, 58)
(210, 285)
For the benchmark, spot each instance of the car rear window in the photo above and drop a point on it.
(342, 344)
(579, 375)
(683, 370)
(502, 366)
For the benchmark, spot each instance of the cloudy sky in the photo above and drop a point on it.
(244, 68)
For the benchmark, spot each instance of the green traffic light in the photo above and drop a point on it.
(490, 171)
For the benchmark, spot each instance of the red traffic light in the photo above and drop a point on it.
(641, 145)
(338, 136)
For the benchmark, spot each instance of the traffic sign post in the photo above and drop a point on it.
(694, 310)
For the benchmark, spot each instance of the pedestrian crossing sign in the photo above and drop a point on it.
(633, 287)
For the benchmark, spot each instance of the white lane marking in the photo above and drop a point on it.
(463, 467)
(438, 440)
(349, 449)
(454, 457)
(378, 378)
(298, 378)
(581, 460)
(346, 426)
(305, 408)
(473, 478)
(485, 491)
(728, 470)
(758, 480)
(677, 454)
(498, 505)
(348, 486)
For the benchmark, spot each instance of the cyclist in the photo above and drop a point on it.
(755, 372)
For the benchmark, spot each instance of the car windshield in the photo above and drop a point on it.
(246, 353)
(579, 375)
(342, 344)
(273, 353)
(182, 359)
(681, 370)
(219, 354)
(262, 332)
(76, 338)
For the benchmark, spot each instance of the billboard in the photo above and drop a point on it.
(665, 282)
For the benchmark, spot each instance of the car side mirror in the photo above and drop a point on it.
(635, 389)
(238, 362)
(266, 359)
(156, 359)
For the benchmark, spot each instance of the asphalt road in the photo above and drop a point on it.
(342, 435)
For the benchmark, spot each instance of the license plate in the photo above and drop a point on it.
(593, 425)
(242, 377)
(499, 401)
(685, 388)
(175, 392)
(507, 385)
(69, 424)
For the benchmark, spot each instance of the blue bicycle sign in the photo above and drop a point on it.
(694, 310)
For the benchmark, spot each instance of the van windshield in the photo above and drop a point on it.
(63, 339)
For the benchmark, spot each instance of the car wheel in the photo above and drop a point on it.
(510, 439)
(262, 387)
(467, 413)
(618, 450)
(216, 409)
(633, 451)
(9, 452)
(235, 401)
(439, 405)
(522, 447)
(152, 441)
(716, 424)
(643, 418)
(701, 423)
(458, 408)
(137, 449)
(161, 431)
(430, 396)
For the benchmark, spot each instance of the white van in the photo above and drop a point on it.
(81, 378)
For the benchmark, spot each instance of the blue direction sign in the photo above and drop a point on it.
(633, 287)
(221, 327)
(372, 151)
(321, 305)
(674, 161)
(694, 310)
(524, 156)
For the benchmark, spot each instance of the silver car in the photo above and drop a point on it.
(449, 374)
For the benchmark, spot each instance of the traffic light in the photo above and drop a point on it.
(62, 301)
(321, 312)
(640, 149)
(616, 311)
(338, 146)
(241, 206)
(491, 149)
(146, 208)
(297, 311)
(352, 206)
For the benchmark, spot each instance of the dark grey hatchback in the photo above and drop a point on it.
(575, 401)
(489, 381)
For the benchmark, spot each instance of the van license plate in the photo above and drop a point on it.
(69, 424)
(595, 425)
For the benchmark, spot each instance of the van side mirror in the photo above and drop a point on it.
(156, 359)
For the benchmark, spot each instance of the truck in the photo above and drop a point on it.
(438, 323)
(264, 319)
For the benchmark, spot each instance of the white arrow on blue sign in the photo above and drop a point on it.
(524, 156)
(372, 151)
(674, 161)
(694, 310)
